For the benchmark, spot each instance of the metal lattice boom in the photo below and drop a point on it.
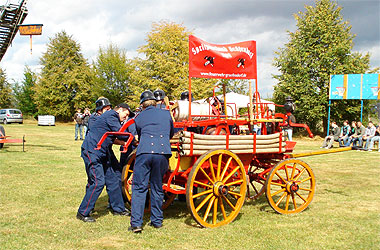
(11, 16)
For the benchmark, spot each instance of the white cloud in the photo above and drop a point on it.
(95, 23)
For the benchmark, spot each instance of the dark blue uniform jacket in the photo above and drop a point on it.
(107, 122)
(154, 127)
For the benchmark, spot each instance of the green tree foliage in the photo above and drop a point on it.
(6, 96)
(321, 46)
(65, 79)
(112, 75)
(24, 93)
(166, 63)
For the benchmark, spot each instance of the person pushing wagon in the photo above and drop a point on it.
(154, 127)
(99, 168)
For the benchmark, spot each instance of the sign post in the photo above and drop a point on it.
(30, 30)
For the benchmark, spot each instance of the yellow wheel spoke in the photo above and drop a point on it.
(301, 197)
(208, 177)
(219, 166)
(286, 172)
(208, 208)
(203, 202)
(229, 203)
(211, 168)
(306, 189)
(278, 184)
(293, 170)
(279, 191)
(215, 212)
(299, 175)
(287, 202)
(202, 193)
(230, 174)
(222, 208)
(203, 184)
(225, 168)
(280, 177)
(234, 183)
(294, 202)
(234, 193)
(282, 197)
(308, 178)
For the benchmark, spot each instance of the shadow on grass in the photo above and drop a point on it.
(262, 202)
(48, 147)
(101, 207)
(178, 210)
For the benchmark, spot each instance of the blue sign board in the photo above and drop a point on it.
(355, 86)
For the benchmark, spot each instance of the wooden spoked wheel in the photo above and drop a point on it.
(290, 186)
(126, 179)
(256, 182)
(221, 185)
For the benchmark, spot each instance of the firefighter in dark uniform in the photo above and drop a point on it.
(97, 162)
(160, 95)
(154, 127)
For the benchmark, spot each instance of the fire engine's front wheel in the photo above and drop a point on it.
(219, 178)
(126, 179)
(290, 186)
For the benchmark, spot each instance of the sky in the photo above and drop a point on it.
(126, 23)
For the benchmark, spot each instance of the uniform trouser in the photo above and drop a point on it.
(148, 168)
(112, 160)
(100, 173)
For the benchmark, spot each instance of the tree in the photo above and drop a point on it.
(166, 63)
(24, 93)
(65, 79)
(321, 46)
(6, 96)
(112, 75)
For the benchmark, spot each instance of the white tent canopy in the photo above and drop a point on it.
(241, 101)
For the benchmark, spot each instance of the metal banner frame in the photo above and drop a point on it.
(353, 86)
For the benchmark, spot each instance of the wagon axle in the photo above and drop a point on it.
(292, 187)
(219, 189)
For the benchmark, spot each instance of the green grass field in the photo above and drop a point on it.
(42, 187)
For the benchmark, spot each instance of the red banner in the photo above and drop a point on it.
(228, 61)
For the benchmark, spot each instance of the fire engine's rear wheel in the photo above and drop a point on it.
(2, 133)
(290, 186)
(256, 183)
(221, 183)
(126, 180)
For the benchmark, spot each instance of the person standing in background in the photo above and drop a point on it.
(86, 117)
(78, 119)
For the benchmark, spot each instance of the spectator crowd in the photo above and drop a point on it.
(357, 135)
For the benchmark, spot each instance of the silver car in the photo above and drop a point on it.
(11, 115)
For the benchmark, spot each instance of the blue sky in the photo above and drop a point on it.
(95, 23)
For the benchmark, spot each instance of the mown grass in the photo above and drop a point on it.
(41, 190)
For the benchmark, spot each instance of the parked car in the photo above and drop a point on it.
(11, 115)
